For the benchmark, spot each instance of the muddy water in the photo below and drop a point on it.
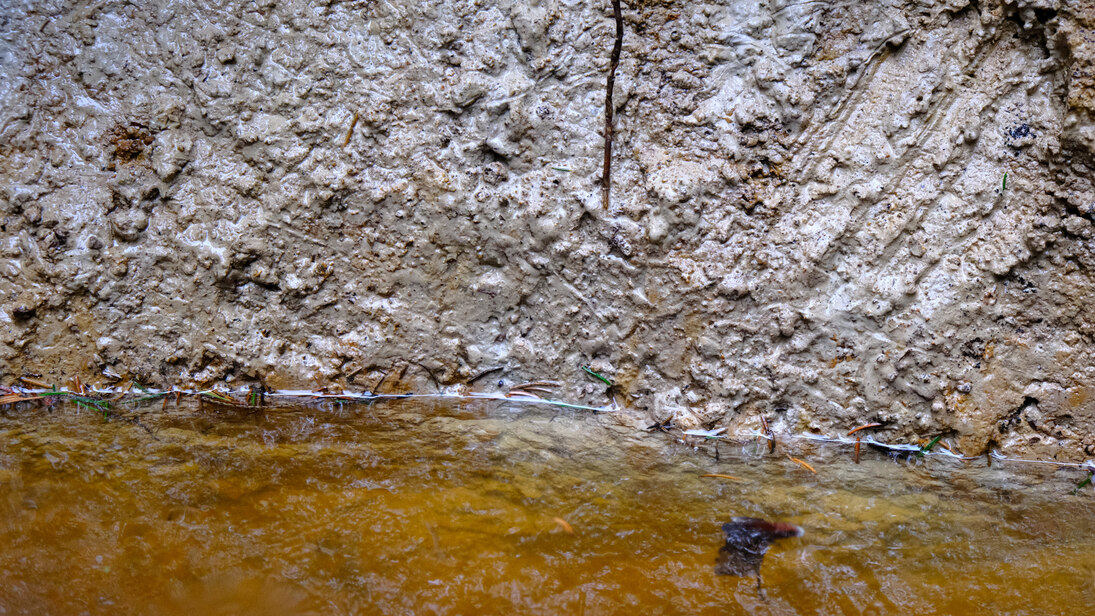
(431, 508)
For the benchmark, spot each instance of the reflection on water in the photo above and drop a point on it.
(450, 508)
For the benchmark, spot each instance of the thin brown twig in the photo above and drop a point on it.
(33, 382)
(482, 374)
(13, 398)
(433, 378)
(863, 427)
(613, 64)
(217, 396)
(350, 133)
(530, 389)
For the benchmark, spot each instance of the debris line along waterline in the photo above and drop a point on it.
(306, 395)
(23, 394)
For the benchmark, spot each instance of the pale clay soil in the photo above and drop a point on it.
(809, 220)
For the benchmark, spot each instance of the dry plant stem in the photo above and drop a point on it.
(535, 390)
(613, 64)
(863, 427)
(13, 398)
(522, 394)
(768, 433)
(483, 374)
(350, 133)
(33, 382)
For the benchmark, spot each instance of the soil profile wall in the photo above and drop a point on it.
(824, 212)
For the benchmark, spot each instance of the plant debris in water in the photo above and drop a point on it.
(344, 490)
(1083, 483)
(804, 464)
(746, 541)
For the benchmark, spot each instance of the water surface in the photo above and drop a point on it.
(433, 507)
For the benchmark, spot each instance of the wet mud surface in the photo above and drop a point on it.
(424, 507)
(830, 212)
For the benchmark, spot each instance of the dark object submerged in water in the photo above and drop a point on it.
(747, 539)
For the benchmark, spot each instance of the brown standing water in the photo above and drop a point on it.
(440, 507)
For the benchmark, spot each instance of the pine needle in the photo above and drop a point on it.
(803, 464)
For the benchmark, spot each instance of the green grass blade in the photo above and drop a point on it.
(1083, 483)
(926, 448)
(596, 376)
(99, 404)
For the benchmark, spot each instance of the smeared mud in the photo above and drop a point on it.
(826, 212)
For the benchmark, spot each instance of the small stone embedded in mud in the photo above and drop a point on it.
(25, 305)
(747, 540)
(22, 311)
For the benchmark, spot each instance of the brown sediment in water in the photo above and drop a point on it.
(453, 506)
